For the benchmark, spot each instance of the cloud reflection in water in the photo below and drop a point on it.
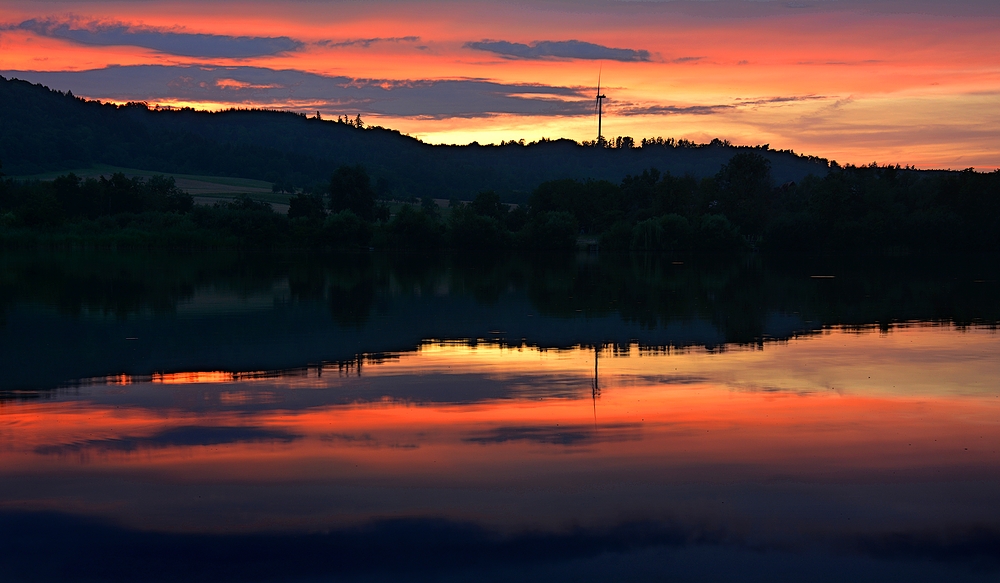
(505, 456)
(570, 435)
(186, 436)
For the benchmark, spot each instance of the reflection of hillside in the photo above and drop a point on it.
(744, 300)
(129, 283)
(148, 313)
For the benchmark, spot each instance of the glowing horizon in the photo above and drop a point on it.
(913, 83)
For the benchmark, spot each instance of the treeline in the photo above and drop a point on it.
(128, 212)
(40, 204)
(851, 210)
(349, 214)
(867, 209)
(346, 213)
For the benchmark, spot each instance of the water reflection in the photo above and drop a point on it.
(472, 425)
(184, 436)
(67, 316)
(793, 438)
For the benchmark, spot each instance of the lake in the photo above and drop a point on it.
(381, 417)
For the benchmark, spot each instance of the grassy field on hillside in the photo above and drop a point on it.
(205, 189)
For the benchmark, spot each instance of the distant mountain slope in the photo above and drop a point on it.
(43, 130)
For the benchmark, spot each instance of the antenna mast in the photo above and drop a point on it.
(600, 109)
(595, 387)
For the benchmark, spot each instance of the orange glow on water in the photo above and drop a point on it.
(187, 378)
(659, 423)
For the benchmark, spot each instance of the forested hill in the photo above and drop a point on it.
(42, 130)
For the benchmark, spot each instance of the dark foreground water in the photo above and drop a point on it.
(393, 418)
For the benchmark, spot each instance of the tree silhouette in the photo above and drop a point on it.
(306, 205)
(351, 189)
(745, 186)
(487, 203)
(429, 206)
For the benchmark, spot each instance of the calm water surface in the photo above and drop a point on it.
(380, 418)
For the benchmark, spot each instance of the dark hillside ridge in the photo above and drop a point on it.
(42, 130)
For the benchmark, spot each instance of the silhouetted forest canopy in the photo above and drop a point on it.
(48, 131)
(357, 190)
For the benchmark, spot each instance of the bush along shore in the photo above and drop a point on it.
(853, 210)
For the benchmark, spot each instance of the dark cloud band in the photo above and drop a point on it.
(261, 87)
(367, 42)
(301, 91)
(175, 43)
(568, 49)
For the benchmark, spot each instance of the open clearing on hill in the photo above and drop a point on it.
(204, 189)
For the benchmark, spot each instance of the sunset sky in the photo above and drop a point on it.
(913, 82)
